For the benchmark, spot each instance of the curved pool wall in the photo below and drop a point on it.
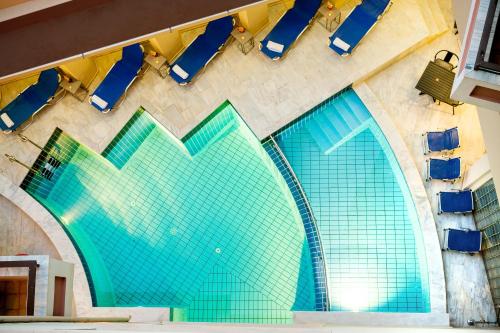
(206, 226)
(367, 221)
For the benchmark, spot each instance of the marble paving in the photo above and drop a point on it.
(270, 94)
(20, 234)
(267, 94)
(468, 294)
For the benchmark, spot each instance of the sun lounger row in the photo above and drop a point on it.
(453, 201)
(343, 41)
(446, 169)
(195, 57)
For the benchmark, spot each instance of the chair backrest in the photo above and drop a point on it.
(375, 8)
(451, 137)
(446, 59)
(47, 83)
(222, 27)
(307, 7)
(133, 55)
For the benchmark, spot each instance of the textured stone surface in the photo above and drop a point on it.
(270, 94)
(468, 293)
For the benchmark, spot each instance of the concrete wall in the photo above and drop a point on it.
(254, 18)
(477, 174)
(167, 43)
(20, 234)
(62, 269)
(84, 70)
(461, 9)
(466, 82)
(490, 125)
(468, 78)
(44, 285)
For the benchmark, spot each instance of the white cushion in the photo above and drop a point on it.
(6, 119)
(179, 71)
(276, 47)
(99, 102)
(341, 44)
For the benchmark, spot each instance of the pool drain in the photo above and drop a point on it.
(218, 250)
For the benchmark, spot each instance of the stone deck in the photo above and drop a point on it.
(270, 94)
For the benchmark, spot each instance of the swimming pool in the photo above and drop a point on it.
(220, 227)
(206, 226)
(367, 222)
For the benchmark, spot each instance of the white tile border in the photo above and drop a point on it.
(437, 286)
(373, 319)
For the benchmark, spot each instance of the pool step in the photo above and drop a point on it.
(129, 139)
(356, 106)
(207, 133)
(333, 125)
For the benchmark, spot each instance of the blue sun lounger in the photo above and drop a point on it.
(459, 202)
(357, 25)
(443, 169)
(118, 79)
(289, 28)
(441, 141)
(202, 50)
(30, 101)
(467, 241)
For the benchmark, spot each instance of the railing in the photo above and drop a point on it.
(310, 226)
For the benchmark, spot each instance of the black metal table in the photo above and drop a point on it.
(437, 81)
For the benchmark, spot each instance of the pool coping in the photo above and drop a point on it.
(435, 268)
(438, 315)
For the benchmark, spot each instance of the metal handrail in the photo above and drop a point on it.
(309, 209)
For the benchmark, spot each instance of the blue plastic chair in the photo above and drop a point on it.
(441, 141)
(30, 101)
(459, 202)
(357, 25)
(467, 241)
(202, 50)
(118, 79)
(443, 169)
(289, 28)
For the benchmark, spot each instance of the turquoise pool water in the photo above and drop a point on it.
(374, 256)
(220, 227)
(206, 226)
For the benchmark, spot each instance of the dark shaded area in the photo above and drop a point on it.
(80, 26)
(32, 266)
(495, 46)
(488, 55)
